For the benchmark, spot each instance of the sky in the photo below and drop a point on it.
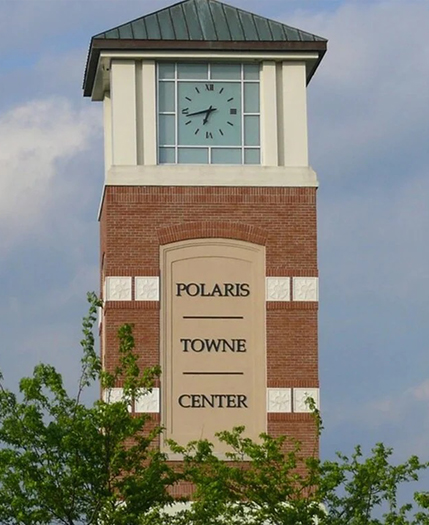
(368, 108)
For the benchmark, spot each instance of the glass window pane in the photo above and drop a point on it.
(251, 97)
(226, 71)
(251, 71)
(167, 130)
(251, 131)
(166, 96)
(166, 70)
(192, 71)
(252, 156)
(226, 156)
(167, 156)
(193, 155)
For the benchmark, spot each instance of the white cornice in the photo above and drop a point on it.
(200, 175)
(210, 55)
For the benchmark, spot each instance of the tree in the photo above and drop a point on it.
(360, 491)
(64, 462)
(269, 482)
(261, 482)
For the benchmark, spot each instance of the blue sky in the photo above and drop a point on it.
(368, 121)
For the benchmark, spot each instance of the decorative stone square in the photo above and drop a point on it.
(147, 288)
(149, 402)
(114, 395)
(300, 396)
(305, 289)
(279, 400)
(278, 288)
(118, 289)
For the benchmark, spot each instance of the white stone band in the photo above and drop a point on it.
(279, 400)
(148, 403)
(277, 289)
(287, 400)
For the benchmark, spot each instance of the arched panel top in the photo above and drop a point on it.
(212, 229)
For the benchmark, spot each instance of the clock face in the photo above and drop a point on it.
(209, 114)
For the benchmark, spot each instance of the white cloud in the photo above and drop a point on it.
(399, 418)
(388, 406)
(421, 391)
(35, 137)
(29, 25)
(368, 100)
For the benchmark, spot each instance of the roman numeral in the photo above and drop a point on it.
(209, 87)
(209, 135)
(233, 111)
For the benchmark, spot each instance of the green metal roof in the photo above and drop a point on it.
(206, 20)
(202, 25)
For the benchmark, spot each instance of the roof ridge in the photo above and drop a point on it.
(241, 10)
(220, 3)
(166, 8)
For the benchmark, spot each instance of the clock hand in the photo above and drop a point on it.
(201, 112)
(209, 112)
(196, 113)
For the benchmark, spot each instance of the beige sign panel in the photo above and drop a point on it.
(212, 338)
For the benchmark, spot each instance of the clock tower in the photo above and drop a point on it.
(208, 216)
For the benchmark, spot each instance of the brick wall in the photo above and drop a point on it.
(135, 221)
